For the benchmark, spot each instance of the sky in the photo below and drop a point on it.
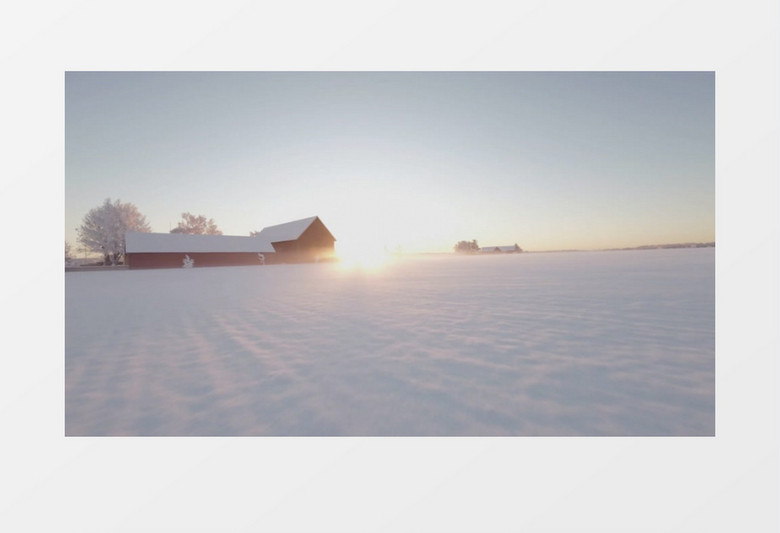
(402, 161)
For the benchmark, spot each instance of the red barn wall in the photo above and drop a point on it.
(176, 260)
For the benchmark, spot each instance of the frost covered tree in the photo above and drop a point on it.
(103, 228)
(197, 225)
(467, 247)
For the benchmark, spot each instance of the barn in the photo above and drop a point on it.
(300, 241)
(169, 250)
(304, 240)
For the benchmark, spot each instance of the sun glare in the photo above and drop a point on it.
(364, 258)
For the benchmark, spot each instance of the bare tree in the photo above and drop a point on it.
(68, 257)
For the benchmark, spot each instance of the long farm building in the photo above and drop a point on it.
(299, 241)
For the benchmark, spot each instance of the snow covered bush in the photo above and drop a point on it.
(188, 262)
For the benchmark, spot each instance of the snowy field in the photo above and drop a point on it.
(580, 343)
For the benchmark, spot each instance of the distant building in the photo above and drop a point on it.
(305, 240)
(500, 249)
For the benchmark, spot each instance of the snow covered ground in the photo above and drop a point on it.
(579, 343)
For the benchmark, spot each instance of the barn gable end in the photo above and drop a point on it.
(300, 241)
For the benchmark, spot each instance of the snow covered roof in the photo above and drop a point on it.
(136, 242)
(289, 231)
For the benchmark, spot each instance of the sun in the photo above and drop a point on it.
(365, 257)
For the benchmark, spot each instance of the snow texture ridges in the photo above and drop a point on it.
(591, 343)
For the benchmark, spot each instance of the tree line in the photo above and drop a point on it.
(103, 229)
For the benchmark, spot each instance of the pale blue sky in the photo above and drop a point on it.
(409, 160)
